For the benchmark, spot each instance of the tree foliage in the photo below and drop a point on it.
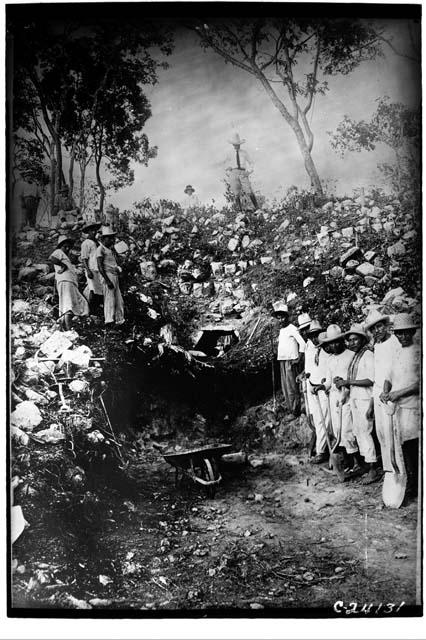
(293, 58)
(79, 88)
(393, 124)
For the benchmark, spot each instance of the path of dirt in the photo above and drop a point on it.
(283, 536)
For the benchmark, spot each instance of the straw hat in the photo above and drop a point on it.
(107, 231)
(404, 321)
(91, 225)
(304, 320)
(332, 334)
(322, 336)
(188, 188)
(358, 329)
(374, 318)
(236, 139)
(63, 239)
(315, 327)
(279, 307)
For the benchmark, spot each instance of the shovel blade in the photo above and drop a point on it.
(337, 464)
(393, 491)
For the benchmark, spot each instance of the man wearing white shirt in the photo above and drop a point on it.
(238, 167)
(291, 348)
(386, 345)
(190, 201)
(402, 386)
(316, 360)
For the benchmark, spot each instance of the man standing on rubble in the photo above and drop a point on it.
(71, 301)
(238, 168)
(291, 347)
(90, 263)
(190, 201)
(109, 270)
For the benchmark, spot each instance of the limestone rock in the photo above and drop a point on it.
(350, 255)
(365, 269)
(337, 272)
(26, 416)
(148, 270)
(396, 249)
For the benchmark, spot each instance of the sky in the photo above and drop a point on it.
(200, 101)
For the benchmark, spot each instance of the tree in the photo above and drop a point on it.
(292, 58)
(393, 124)
(81, 86)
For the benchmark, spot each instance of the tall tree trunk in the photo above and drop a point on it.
(71, 170)
(100, 184)
(298, 132)
(52, 190)
(82, 184)
(58, 152)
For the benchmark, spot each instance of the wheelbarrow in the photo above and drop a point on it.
(200, 465)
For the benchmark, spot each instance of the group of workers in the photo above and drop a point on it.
(100, 262)
(352, 381)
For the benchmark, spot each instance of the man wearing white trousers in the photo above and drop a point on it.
(386, 347)
(315, 371)
(340, 410)
(359, 381)
(109, 270)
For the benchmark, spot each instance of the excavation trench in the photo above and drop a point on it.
(279, 536)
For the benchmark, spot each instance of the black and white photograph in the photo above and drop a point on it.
(213, 264)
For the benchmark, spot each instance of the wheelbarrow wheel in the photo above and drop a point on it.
(208, 473)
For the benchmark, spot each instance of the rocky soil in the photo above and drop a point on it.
(98, 521)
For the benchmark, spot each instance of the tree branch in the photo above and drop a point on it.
(314, 78)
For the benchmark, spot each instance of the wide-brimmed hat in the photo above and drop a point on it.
(236, 139)
(322, 336)
(332, 334)
(107, 231)
(373, 318)
(91, 225)
(189, 187)
(315, 327)
(63, 239)
(279, 307)
(403, 321)
(358, 329)
(304, 320)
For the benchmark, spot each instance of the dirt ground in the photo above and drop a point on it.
(285, 536)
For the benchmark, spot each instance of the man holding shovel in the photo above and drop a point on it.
(340, 411)
(402, 387)
(359, 382)
(385, 346)
(315, 371)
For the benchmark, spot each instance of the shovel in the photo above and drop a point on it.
(309, 418)
(336, 460)
(395, 482)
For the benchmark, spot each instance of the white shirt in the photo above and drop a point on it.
(404, 370)
(383, 355)
(245, 160)
(337, 366)
(190, 202)
(290, 343)
(88, 252)
(365, 370)
(317, 371)
(69, 275)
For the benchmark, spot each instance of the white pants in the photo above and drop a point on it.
(382, 429)
(362, 429)
(347, 438)
(113, 302)
(314, 410)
